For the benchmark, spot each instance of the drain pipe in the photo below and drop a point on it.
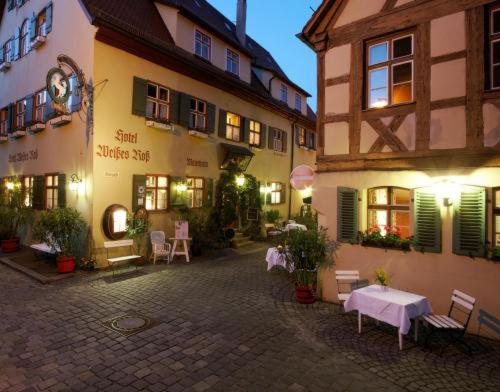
(292, 158)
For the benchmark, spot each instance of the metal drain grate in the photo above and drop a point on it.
(129, 324)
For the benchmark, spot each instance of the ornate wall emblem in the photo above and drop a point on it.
(58, 86)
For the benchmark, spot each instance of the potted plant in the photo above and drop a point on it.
(137, 229)
(309, 251)
(61, 230)
(198, 232)
(13, 216)
(390, 239)
(382, 277)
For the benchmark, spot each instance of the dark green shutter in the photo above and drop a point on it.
(49, 109)
(2, 192)
(61, 190)
(184, 109)
(296, 131)
(270, 142)
(222, 123)
(39, 192)
(76, 95)
(268, 195)
(211, 114)
(10, 118)
(347, 215)
(1, 55)
(209, 192)
(426, 221)
(283, 193)
(138, 192)
(263, 137)
(469, 222)
(17, 38)
(177, 198)
(139, 97)
(48, 18)
(33, 32)
(28, 114)
(245, 128)
(174, 106)
(285, 141)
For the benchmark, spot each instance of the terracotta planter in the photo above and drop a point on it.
(304, 294)
(10, 245)
(65, 264)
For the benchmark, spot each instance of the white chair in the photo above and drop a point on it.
(345, 278)
(271, 230)
(160, 248)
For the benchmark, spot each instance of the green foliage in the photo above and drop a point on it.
(382, 277)
(61, 229)
(198, 227)
(137, 229)
(15, 214)
(272, 216)
(391, 239)
(309, 219)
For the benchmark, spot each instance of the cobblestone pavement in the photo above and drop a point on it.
(222, 325)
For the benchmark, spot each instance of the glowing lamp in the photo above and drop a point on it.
(76, 183)
(380, 103)
(240, 181)
(9, 185)
(182, 187)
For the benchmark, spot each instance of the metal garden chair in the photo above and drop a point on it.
(160, 248)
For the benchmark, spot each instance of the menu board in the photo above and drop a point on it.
(181, 230)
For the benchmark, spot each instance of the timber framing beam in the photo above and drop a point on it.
(320, 126)
(338, 80)
(379, 144)
(448, 57)
(355, 96)
(423, 87)
(386, 134)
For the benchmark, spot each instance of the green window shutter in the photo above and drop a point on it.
(16, 43)
(283, 193)
(39, 192)
(28, 114)
(49, 109)
(1, 55)
(138, 192)
(48, 18)
(177, 198)
(33, 28)
(174, 106)
(270, 142)
(10, 118)
(426, 221)
(61, 190)
(184, 109)
(268, 196)
(245, 128)
(469, 222)
(285, 142)
(209, 192)
(222, 123)
(347, 215)
(263, 135)
(296, 132)
(75, 102)
(2, 192)
(139, 97)
(211, 117)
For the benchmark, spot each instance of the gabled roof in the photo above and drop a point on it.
(320, 18)
(2, 8)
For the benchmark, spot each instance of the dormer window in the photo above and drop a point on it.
(298, 102)
(202, 45)
(283, 93)
(232, 62)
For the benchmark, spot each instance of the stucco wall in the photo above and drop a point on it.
(359, 9)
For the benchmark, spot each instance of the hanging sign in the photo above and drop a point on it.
(58, 86)
(181, 230)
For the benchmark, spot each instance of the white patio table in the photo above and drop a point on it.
(394, 307)
(275, 258)
(295, 226)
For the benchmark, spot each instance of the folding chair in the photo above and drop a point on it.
(160, 247)
(453, 329)
(345, 279)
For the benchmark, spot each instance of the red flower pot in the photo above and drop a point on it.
(65, 264)
(304, 294)
(10, 245)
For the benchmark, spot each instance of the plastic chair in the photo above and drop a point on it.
(160, 247)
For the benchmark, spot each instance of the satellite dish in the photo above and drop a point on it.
(302, 177)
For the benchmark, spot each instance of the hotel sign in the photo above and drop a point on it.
(58, 86)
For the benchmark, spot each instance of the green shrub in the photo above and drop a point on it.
(272, 216)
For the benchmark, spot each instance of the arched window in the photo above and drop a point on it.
(389, 207)
(24, 43)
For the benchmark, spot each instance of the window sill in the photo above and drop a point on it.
(60, 120)
(202, 59)
(38, 42)
(233, 75)
(386, 248)
(202, 134)
(256, 148)
(151, 123)
(4, 139)
(19, 133)
(36, 127)
(5, 66)
(389, 108)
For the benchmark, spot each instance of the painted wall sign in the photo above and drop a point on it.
(126, 137)
(58, 86)
(31, 155)
(119, 153)
(111, 174)
(193, 162)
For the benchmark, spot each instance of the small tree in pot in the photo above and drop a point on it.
(61, 230)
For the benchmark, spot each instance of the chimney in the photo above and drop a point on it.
(241, 21)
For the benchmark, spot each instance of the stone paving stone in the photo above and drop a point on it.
(225, 325)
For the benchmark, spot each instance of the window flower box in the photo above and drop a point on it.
(19, 133)
(38, 41)
(159, 125)
(198, 133)
(38, 127)
(390, 238)
(5, 66)
(60, 120)
(4, 139)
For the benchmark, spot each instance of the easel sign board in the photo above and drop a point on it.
(181, 229)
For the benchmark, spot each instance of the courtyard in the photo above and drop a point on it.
(217, 324)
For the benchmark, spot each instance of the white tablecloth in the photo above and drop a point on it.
(274, 258)
(295, 226)
(393, 306)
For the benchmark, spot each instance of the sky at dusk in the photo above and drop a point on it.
(274, 24)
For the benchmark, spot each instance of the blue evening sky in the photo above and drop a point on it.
(273, 24)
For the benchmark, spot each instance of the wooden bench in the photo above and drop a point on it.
(112, 261)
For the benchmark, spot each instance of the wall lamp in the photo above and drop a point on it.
(240, 180)
(182, 187)
(76, 183)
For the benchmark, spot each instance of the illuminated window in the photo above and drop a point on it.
(4, 122)
(51, 186)
(119, 221)
(301, 135)
(389, 207)
(278, 140)
(233, 127)
(255, 133)
(158, 102)
(496, 216)
(389, 71)
(202, 45)
(276, 193)
(20, 113)
(24, 42)
(156, 192)
(40, 101)
(232, 62)
(283, 93)
(28, 191)
(195, 191)
(197, 114)
(298, 102)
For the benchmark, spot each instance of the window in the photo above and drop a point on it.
(40, 101)
(28, 191)
(494, 46)
(157, 106)
(233, 127)
(51, 186)
(389, 71)
(197, 114)
(279, 140)
(195, 191)
(7, 51)
(276, 193)
(156, 192)
(40, 24)
(255, 133)
(24, 43)
(301, 135)
(20, 113)
(232, 62)
(202, 45)
(298, 102)
(389, 207)
(283, 93)
(496, 217)
(4, 122)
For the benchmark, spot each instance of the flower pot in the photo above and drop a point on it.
(10, 245)
(304, 294)
(65, 264)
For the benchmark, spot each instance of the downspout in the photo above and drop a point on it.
(270, 85)
(292, 157)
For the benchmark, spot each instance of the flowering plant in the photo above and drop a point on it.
(382, 277)
(389, 237)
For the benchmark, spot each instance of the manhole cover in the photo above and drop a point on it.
(129, 324)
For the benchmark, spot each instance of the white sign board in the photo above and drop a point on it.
(181, 230)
